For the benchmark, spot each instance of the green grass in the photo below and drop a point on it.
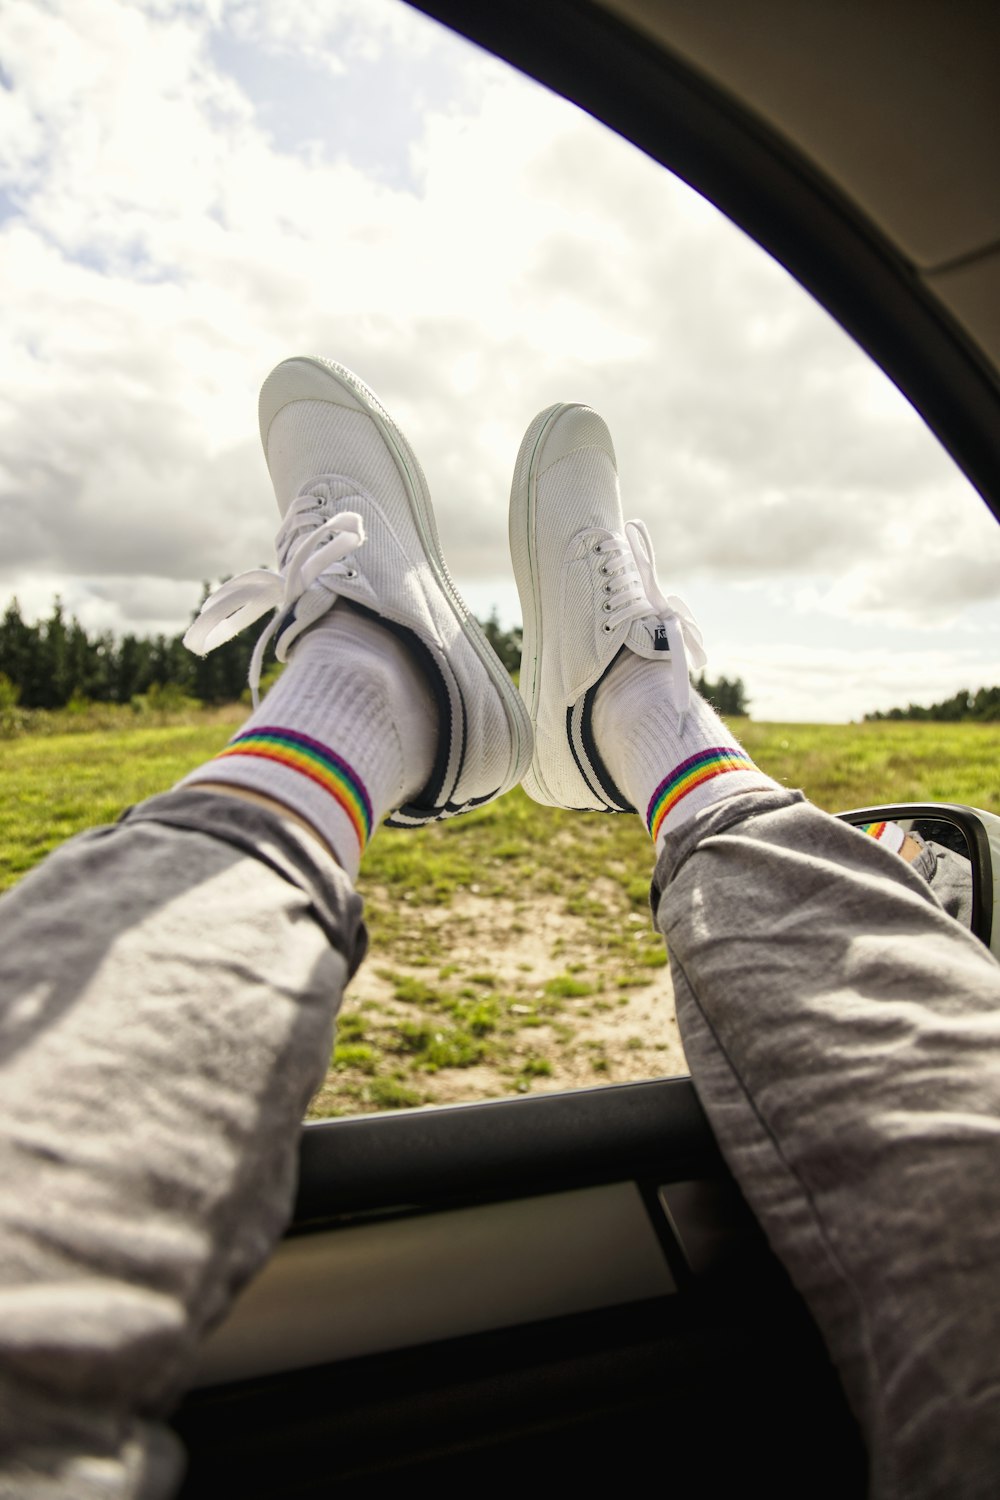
(840, 766)
(59, 784)
(565, 986)
(56, 785)
(442, 1014)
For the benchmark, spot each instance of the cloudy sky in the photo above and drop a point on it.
(190, 190)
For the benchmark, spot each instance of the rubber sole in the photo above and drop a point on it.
(522, 553)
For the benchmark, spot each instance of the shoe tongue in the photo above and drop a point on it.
(648, 637)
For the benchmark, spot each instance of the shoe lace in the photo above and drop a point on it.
(307, 554)
(633, 593)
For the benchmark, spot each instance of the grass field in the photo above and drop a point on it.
(511, 949)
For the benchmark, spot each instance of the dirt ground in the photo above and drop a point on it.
(527, 960)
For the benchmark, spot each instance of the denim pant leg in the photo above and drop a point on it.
(167, 992)
(844, 1037)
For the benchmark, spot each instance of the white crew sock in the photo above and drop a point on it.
(347, 733)
(667, 775)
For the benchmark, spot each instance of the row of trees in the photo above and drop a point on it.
(725, 697)
(55, 661)
(983, 705)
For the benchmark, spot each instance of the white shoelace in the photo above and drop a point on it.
(633, 593)
(318, 553)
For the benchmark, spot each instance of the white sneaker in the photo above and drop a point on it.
(358, 525)
(588, 590)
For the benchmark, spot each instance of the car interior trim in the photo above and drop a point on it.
(367, 1288)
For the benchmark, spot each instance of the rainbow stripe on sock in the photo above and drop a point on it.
(874, 830)
(691, 773)
(299, 752)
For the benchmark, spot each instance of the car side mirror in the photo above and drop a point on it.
(964, 833)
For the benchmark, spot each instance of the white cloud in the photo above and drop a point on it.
(169, 241)
(334, 32)
(788, 682)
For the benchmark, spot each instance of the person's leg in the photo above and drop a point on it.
(844, 1037)
(843, 1033)
(168, 985)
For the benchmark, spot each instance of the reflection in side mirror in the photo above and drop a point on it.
(966, 843)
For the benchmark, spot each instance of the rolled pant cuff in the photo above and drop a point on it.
(276, 842)
(717, 818)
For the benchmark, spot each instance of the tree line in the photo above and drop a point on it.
(55, 661)
(725, 697)
(983, 705)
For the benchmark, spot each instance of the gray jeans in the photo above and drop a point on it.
(169, 987)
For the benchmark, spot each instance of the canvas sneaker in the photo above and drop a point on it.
(588, 589)
(358, 525)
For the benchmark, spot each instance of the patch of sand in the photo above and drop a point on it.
(611, 1035)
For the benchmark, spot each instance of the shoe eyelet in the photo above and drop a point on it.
(606, 606)
(607, 629)
(597, 547)
(351, 573)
